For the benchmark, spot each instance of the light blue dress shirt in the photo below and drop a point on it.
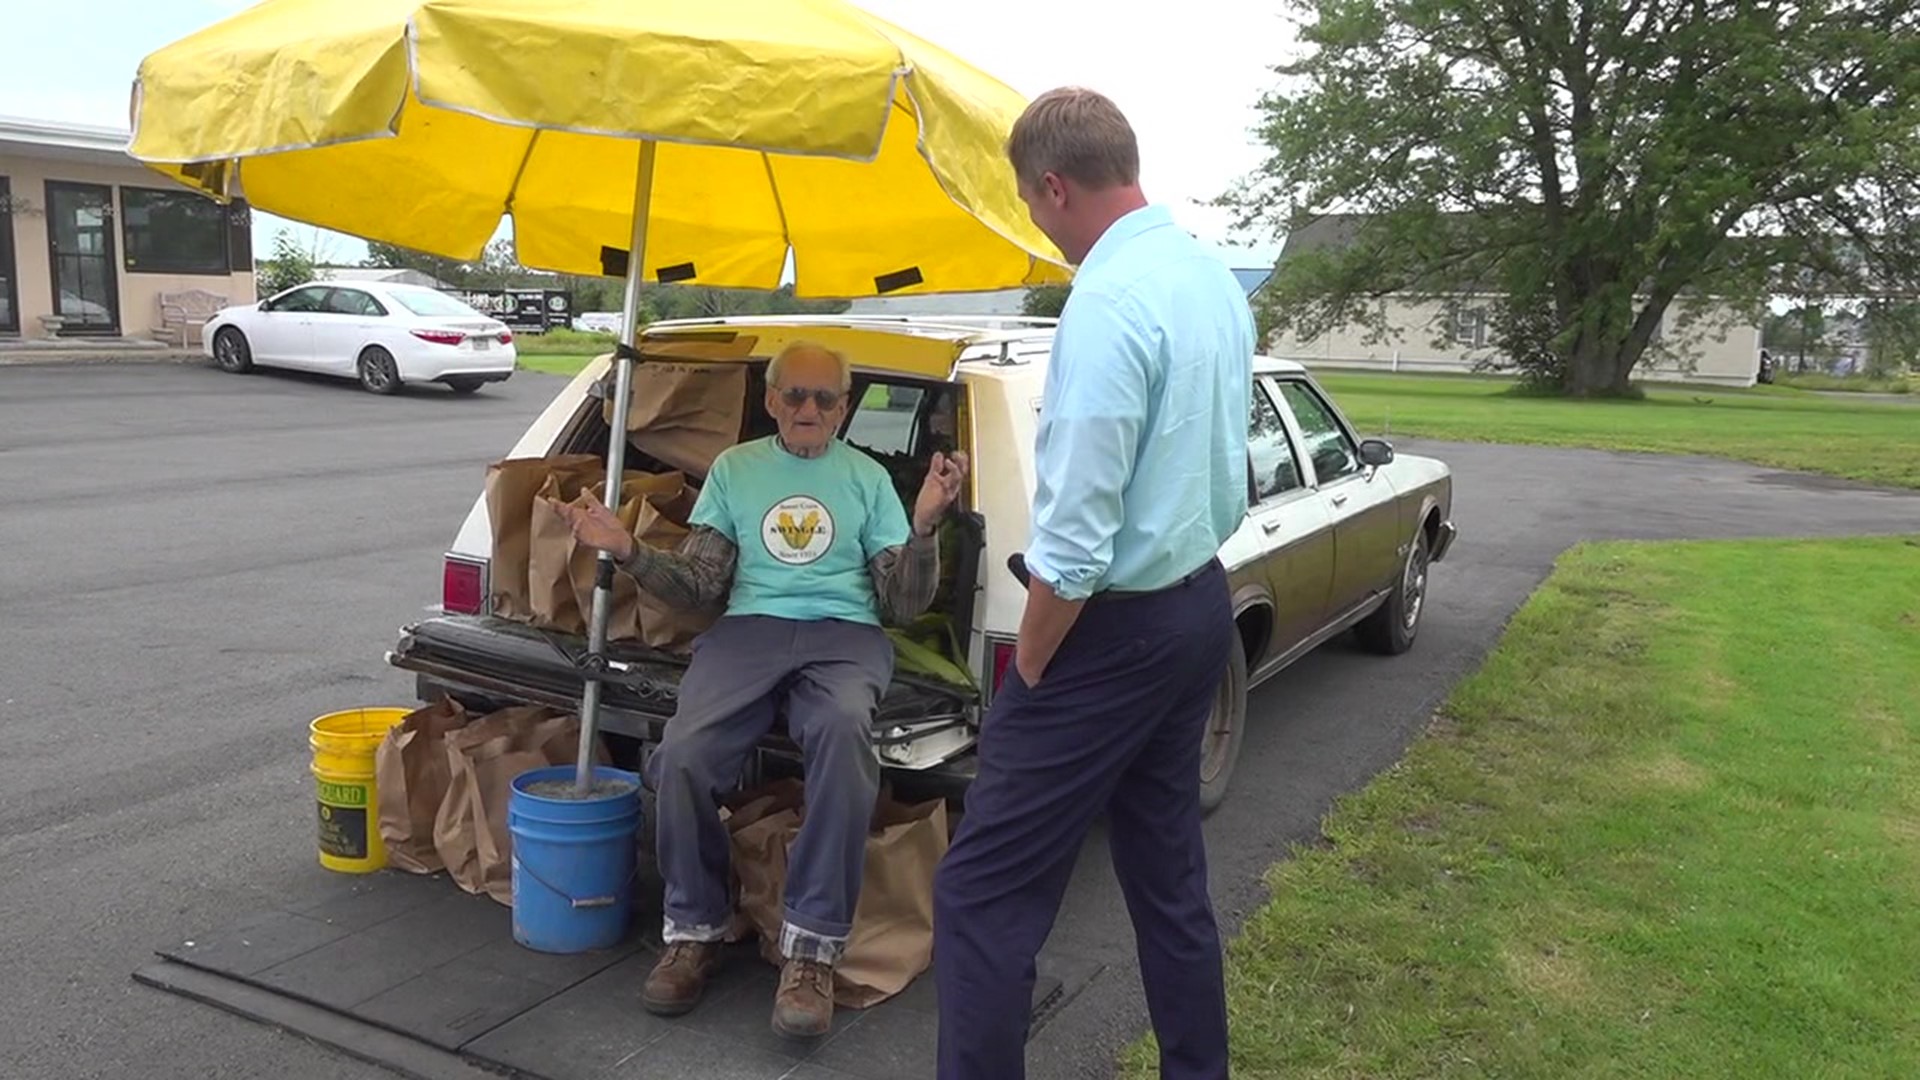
(1141, 456)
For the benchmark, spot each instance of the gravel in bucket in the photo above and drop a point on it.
(568, 789)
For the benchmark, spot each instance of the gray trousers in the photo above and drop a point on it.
(830, 675)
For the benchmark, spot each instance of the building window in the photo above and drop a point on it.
(173, 232)
(1467, 326)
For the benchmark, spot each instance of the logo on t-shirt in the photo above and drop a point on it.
(798, 530)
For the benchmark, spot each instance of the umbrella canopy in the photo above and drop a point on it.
(770, 125)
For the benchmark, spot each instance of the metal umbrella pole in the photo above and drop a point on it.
(616, 466)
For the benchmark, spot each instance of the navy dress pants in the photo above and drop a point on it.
(1114, 726)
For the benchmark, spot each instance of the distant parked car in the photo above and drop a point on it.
(598, 322)
(383, 334)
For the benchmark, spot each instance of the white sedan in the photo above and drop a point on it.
(385, 335)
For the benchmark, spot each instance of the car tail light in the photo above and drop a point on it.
(506, 337)
(1002, 661)
(463, 589)
(441, 337)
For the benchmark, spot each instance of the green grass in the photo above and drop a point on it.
(1874, 441)
(1671, 829)
(567, 343)
(554, 365)
(1891, 384)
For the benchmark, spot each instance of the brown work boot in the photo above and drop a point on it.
(803, 1009)
(680, 977)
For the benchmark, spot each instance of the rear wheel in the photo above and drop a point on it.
(1391, 629)
(1220, 747)
(378, 373)
(231, 352)
(465, 386)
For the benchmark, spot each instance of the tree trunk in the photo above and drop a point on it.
(1599, 369)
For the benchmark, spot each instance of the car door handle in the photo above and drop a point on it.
(1271, 527)
(1338, 500)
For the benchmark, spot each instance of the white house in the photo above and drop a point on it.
(1706, 341)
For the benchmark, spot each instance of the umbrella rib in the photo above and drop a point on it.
(780, 208)
(513, 190)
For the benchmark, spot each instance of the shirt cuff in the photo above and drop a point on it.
(1069, 587)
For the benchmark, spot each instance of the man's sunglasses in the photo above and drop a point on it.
(796, 396)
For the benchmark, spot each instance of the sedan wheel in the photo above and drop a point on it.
(378, 373)
(230, 351)
(1392, 628)
(1220, 747)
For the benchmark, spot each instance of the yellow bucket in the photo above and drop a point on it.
(343, 744)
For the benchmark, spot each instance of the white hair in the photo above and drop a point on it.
(839, 360)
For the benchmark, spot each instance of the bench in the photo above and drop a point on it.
(183, 315)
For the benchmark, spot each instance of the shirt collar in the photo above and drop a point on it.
(1126, 227)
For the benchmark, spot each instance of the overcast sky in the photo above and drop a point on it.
(1187, 78)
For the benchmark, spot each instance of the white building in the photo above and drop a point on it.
(1706, 341)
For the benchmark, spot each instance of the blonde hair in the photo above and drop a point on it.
(1077, 133)
(793, 347)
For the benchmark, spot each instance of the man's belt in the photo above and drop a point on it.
(1017, 565)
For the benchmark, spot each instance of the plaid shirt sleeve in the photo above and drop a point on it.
(695, 576)
(906, 576)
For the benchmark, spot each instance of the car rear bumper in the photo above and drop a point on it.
(1444, 541)
(437, 363)
(510, 663)
(477, 376)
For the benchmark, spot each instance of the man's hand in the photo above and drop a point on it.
(1043, 626)
(596, 526)
(938, 493)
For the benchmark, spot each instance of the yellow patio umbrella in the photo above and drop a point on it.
(697, 141)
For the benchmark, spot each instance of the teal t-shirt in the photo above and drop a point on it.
(806, 529)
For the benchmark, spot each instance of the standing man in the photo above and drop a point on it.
(1141, 462)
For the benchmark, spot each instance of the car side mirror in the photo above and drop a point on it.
(265, 305)
(1375, 453)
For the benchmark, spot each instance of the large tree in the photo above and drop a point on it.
(1593, 162)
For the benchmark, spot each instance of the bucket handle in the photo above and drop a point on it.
(576, 902)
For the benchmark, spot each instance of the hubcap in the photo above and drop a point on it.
(377, 375)
(1416, 584)
(1213, 750)
(226, 351)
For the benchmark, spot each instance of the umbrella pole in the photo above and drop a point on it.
(616, 465)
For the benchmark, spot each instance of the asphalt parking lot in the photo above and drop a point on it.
(197, 564)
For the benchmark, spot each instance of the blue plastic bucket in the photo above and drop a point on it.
(573, 862)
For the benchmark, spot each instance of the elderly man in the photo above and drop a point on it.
(1141, 463)
(808, 543)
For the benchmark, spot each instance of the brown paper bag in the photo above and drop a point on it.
(685, 414)
(662, 626)
(761, 823)
(470, 831)
(550, 597)
(637, 490)
(891, 943)
(892, 939)
(410, 779)
(510, 489)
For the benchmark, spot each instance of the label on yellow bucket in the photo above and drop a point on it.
(343, 820)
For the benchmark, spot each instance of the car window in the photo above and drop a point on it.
(1269, 451)
(1333, 454)
(902, 425)
(353, 302)
(883, 418)
(428, 302)
(308, 299)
